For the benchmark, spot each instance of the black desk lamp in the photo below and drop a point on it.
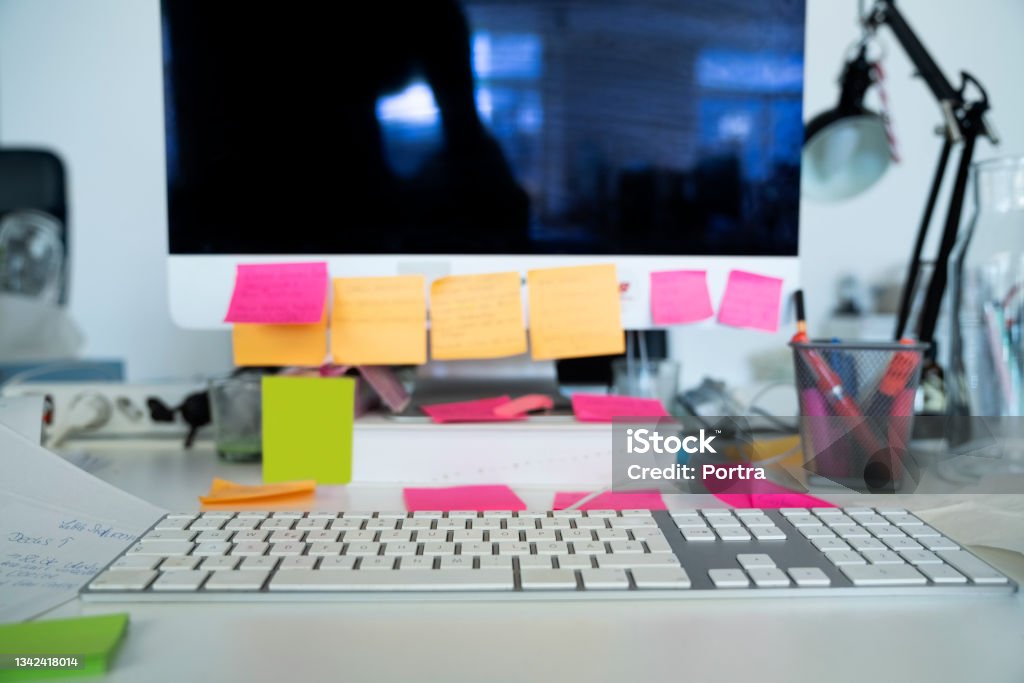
(846, 150)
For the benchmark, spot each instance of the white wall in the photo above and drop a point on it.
(83, 77)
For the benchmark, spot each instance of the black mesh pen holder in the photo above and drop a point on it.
(857, 411)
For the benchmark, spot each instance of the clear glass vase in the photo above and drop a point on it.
(987, 296)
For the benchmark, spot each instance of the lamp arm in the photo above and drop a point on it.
(886, 13)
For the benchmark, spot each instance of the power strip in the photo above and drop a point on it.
(128, 415)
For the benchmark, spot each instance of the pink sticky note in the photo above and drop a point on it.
(480, 410)
(524, 404)
(279, 293)
(633, 500)
(752, 301)
(597, 408)
(463, 498)
(680, 296)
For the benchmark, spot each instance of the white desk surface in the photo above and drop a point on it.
(805, 639)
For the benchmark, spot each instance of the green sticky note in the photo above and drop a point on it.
(38, 650)
(307, 428)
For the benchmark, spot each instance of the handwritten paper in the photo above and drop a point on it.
(280, 345)
(307, 429)
(680, 296)
(59, 526)
(280, 293)
(634, 500)
(462, 498)
(751, 301)
(598, 408)
(575, 312)
(379, 320)
(476, 316)
(480, 410)
(24, 415)
(92, 640)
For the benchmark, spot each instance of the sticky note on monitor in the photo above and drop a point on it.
(379, 320)
(280, 345)
(751, 301)
(575, 312)
(680, 296)
(476, 316)
(279, 293)
(307, 429)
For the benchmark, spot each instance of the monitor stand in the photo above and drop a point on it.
(444, 382)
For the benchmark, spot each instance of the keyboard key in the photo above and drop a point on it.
(547, 579)
(865, 544)
(123, 580)
(494, 562)
(251, 580)
(164, 548)
(844, 557)
(848, 531)
(804, 521)
(938, 543)
(324, 549)
(902, 543)
(768, 533)
(884, 531)
(284, 536)
(812, 532)
(415, 562)
(883, 575)
(185, 581)
(757, 520)
(976, 570)
(290, 548)
(660, 578)
(406, 536)
(393, 549)
(220, 562)
(589, 548)
(583, 535)
(171, 535)
(828, 545)
(535, 562)
(657, 544)
(921, 531)
(604, 579)
(136, 562)
(697, 534)
(295, 562)
(255, 563)
(560, 548)
(768, 577)
(172, 564)
(918, 557)
(809, 577)
(728, 578)
(515, 548)
(473, 549)
(621, 547)
(387, 563)
(436, 580)
(630, 561)
(320, 536)
(433, 549)
(733, 534)
(882, 557)
(591, 523)
(754, 561)
(689, 520)
(793, 512)
(942, 573)
(574, 561)
(612, 535)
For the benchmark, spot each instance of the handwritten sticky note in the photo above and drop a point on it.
(598, 408)
(680, 296)
(480, 410)
(92, 640)
(462, 498)
(476, 316)
(751, 301)
(279, 345)
(307, 429)
(281, 293)
(633, 500)
(379, 320)
(575, 312)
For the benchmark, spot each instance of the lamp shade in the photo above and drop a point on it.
(844, 154)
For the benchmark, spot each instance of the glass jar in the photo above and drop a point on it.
(987, 296)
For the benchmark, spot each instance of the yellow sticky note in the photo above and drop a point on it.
(379, 320)
(476, 316)
(280, 344)
(307, 428)
(574, 312)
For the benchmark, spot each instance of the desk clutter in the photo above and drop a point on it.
(283, 316)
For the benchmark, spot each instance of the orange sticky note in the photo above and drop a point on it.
(476, 316)
(379, 320)
(280, 344)
(574, 312)
(223, 491)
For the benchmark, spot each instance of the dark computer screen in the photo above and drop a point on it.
(484, 126)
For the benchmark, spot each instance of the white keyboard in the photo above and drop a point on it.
(571, 554)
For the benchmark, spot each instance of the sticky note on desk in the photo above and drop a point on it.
(575, 312)
(680, 296)
(280, 345)
(479, 410)
(462, 498)
(279, 293)
(632, 500)
(751, 301)
(476, 316)
(379, 320)
(307, 429)
(599, 408)
(91, 640)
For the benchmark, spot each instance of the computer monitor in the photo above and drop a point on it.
(459, 136)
